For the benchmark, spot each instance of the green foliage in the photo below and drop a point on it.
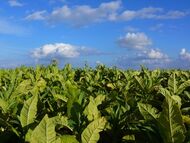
(52, 105)
(91, 133)
(44, 132)
(170, 122)
(91, 110)
(29, 111)
(68, 139)
(149, 113)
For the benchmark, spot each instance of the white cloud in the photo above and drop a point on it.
(152, 56)
(155, 54)
(56, 50)
(127, 15)
(172, 15)
(38, 15)
(15, 3)
(140, 43)
(137, 41)
(184, 54)
(64, 50)
(83, 15)
(144, 13)
(80, 15)
(150, 13)
(141, 51)
(110, 7)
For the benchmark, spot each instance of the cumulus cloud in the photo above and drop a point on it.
(184, 54)
(144, 13)
(38, 15)
(137, 41)
(64, 50)
(151, 13)
(141, 52)
(80, 15)
(56, 50)
(15, 3)
(83, 15)
(153, 58)
(172, 15)
(140, 42)
(155, 54)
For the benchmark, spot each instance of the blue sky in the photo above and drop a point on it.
(122, 33)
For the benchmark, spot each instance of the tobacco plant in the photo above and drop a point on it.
(47, 104)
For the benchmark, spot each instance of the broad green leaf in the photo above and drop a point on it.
(29, 111)
(68, 139)
(61, 120)
(28, 135)
(183, 86)
(140, 82)
(166, 93)
(44, 132)
(4, 105)
(148, 112)
(91, 132)
(171, 125)
(149, 79)
(39, 86)
(22, 89)
(91, 110)
(99, 99)
(172, 83)
(61, 97)
(111, 85)
(74, 95)
(186, 119)
(177, 99)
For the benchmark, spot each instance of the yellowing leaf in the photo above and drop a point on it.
(110, 85)
(44, 132)
(91, 133)
(29, 110)
(171, 125)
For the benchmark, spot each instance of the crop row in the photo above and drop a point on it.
(72, 105)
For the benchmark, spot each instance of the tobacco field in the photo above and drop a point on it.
(47, 104)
